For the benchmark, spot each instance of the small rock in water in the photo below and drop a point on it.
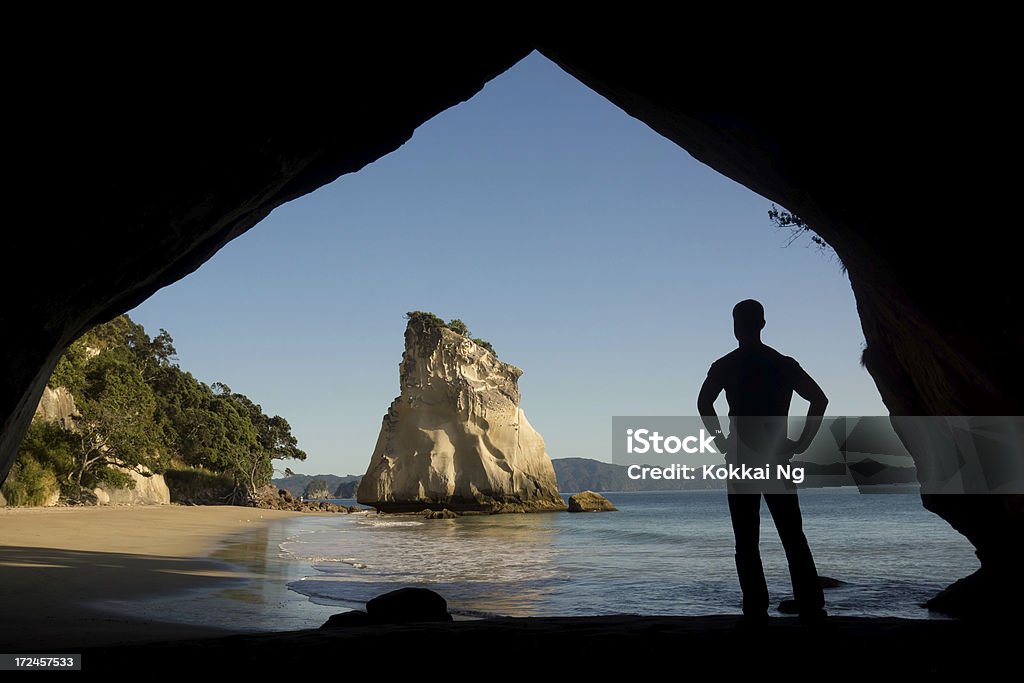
(439, 514)
(588, 501)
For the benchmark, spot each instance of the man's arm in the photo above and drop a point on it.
(709, 391)
(809, 390)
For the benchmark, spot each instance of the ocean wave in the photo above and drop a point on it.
(355, 563)
(383, 523)
(657, 560)
(316, 559)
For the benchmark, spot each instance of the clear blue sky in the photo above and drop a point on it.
(594, 254)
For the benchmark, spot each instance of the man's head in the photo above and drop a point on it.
(748, 320)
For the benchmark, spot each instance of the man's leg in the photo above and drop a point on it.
(745, 510)
(785, 509)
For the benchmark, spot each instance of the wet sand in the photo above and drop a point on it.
(58, 565)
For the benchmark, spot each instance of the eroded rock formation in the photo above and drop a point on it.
(58, 405)
(150, 489)
(456, 437)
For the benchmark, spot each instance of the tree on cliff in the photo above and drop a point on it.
(106, 372)
(214, 428)
(458, 327)
(137, 409)
(114, 425)
(253, 441)
(798, 227)
(426, 320)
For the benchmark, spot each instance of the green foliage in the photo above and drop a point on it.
(426, 321)
(216, 429)
(70, 370)
(798, 228)
(317, 489)
(458, 327)
(125, 335)
(137, 409)
(50, 446)
(29, 483)
(198, 486)
(43, 466)
(113, 478)
(116, 423)
(32, 480)
(486, 344)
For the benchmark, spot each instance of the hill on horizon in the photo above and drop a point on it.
(587, 474)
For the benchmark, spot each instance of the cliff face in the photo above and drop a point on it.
(149, 490)
(316, 489)
(456, 437)
(57, 405)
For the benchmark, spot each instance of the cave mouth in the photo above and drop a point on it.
(190, 192)
(535, 187)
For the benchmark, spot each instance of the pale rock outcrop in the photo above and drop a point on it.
(149, 490)
(57, 405)
(456, 437)
(588, 501)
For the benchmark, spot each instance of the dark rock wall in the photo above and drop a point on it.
(874, 154)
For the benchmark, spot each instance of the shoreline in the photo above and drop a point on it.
(117, 576)
(101, 576)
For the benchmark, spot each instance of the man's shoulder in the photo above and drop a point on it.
(729, 356)
(762, 350)
(727, 359)
(780, 355)
(742, 356)
(787, 363)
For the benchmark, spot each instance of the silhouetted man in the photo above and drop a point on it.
(759, 383)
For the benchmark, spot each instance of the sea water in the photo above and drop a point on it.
(665, 553)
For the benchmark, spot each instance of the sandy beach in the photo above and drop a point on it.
(57, 564)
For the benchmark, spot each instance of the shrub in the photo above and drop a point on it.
(29, 483)
(199, 486)
(427, 321)
(458, 327)
(486, 344)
